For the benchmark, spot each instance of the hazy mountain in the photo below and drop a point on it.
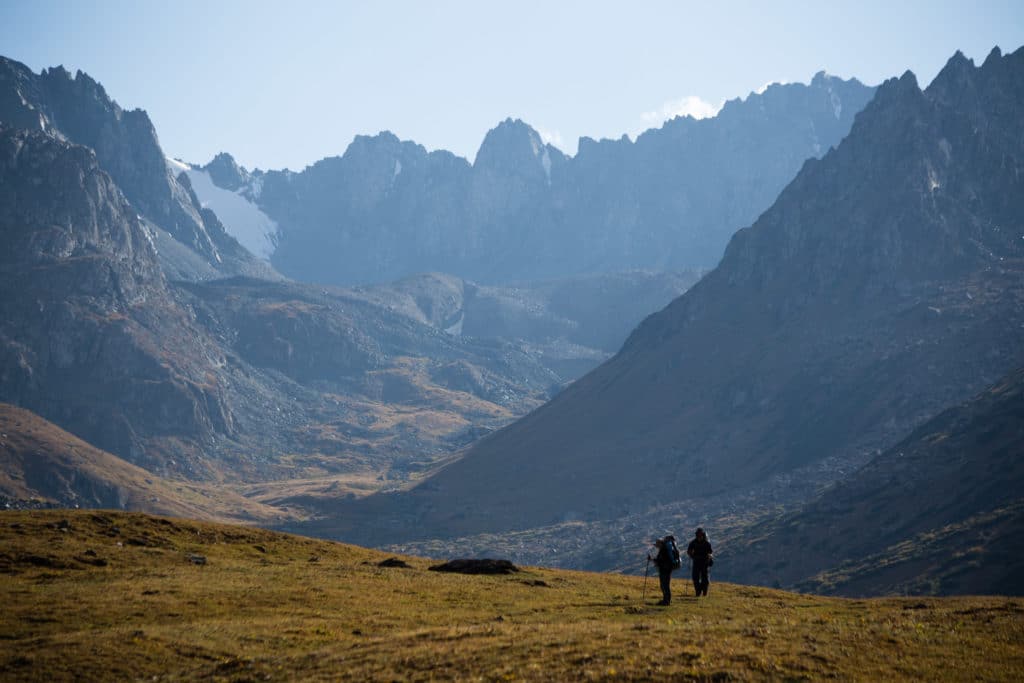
(232, 378)
(939, 512)
(77, 108)
(885, 284)
(525, 211)
(225, 378)
(570, 325)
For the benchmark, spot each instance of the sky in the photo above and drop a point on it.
(283, 84)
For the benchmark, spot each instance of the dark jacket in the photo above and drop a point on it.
(699, 550)
(664, 558)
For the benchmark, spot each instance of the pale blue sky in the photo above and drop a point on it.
(285, 83)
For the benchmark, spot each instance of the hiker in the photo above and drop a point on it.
(700, 552)
(667, 560)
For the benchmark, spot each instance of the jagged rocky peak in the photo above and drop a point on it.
(19, 97)
(59, 206)
(384, 156)
(225, 173)
(513, 147)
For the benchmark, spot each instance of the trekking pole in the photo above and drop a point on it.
(647, 568)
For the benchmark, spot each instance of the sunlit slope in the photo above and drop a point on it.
(118, 596)
(41, 461)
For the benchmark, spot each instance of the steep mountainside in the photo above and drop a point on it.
(78, 109)
(91, 337)
(243, 378)
(525, 211)
(884, 285)
(940, 512)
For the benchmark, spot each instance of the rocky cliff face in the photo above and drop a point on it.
(885, 284)
(78, 109)
(525, 211)
(91, 336)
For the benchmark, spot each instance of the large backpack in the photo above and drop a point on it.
(673, 553)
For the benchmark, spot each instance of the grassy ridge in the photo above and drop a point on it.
(115, 596)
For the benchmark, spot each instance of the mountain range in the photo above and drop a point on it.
(884, 285)
(523, 210)
(134, 320)
(860, 339)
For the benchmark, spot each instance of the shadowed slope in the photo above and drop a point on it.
(940, 512)
(884, 285)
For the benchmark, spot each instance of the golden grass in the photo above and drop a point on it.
(269, 606)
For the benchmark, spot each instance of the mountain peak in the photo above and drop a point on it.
(225, 173)
(994, 56)
(513, 146)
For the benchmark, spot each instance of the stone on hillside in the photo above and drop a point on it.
(394, 562)
(468, 566)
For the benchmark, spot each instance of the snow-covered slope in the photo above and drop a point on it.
(244, 220)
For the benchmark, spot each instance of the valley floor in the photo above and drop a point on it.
(118, 596)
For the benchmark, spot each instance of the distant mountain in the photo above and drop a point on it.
(570, 325)
(884, 285)
(252, 379)
(522, 210)
(220, 379)
(78, 109)
(941, 512)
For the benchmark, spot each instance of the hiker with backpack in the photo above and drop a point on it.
(667, 560)
(700, 553)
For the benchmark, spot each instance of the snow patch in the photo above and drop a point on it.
(545, 161)
(243, 220)
(455, 329)
(837, 104)
(176, 166)
(398, 170)
(255, 188)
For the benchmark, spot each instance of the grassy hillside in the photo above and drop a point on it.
(118, 596)
(39, 460)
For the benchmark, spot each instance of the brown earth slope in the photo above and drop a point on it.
(41, 463)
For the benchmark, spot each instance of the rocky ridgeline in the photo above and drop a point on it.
(523, 210)
(78, 109)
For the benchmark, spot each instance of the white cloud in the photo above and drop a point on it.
(551, 137)
(691, 105)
